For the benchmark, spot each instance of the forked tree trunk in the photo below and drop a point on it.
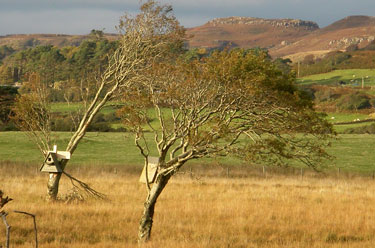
(53, 186)
(145, 224)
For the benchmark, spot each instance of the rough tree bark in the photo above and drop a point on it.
(145, 224)
(53, 184)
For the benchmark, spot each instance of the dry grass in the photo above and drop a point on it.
(281, 211)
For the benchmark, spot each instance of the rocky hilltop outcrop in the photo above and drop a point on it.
(285, 23)
(249, 32)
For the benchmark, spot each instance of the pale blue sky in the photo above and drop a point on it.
(81, 16)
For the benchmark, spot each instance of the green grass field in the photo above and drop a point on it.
(352, 77)
(346, 117)
(63, 107)
(352, 152)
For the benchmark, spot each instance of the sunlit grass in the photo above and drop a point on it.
(277, 211)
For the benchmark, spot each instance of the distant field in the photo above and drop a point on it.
(347, 117)
(95, 149)
(353, 152)
(351, 77)
(63, 107)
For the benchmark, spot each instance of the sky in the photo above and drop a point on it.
(81, 16)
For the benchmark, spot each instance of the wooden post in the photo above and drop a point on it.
(301, 173)
(7, 226)
(298, 69)
(227, 172)
(339, 171)
(363, 82)
(264, 171)
(191, 172)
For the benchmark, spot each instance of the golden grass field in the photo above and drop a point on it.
(277, 211)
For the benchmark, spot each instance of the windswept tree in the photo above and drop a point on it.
(144, 38)
(233, 102)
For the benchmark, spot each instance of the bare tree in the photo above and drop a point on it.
(233, 102)
(144, 38)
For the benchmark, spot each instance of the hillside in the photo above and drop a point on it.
(282, 37)
(249, 32)
(352, 30)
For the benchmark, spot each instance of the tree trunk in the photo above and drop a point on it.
(54, 181)
(53, 186)
(145, 224)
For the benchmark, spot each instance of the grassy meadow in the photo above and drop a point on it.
(352, 152)
(351, 77)
(252, 211)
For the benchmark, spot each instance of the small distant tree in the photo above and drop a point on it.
(352, 48)
(6, 75)
(283, 65)
(309, 59)
(7, 98)
(233, 102)
(144, 38)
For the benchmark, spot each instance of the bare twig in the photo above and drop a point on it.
(3, 200)
(34, 220)
(85, 187)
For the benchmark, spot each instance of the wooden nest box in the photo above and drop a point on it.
(52, 162)
(151, 169)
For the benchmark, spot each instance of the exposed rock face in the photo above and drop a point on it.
(346, 41)
(287, 23)
(248, 32)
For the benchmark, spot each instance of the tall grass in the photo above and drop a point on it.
(278, 211)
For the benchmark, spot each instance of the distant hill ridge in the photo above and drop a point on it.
(351, 22)
(287, 23)
(292, 38)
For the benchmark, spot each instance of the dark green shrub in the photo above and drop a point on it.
(111, 117)
(354, 101)
(63, 124)
(10, 126)
(369, 129)
(99, 127)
